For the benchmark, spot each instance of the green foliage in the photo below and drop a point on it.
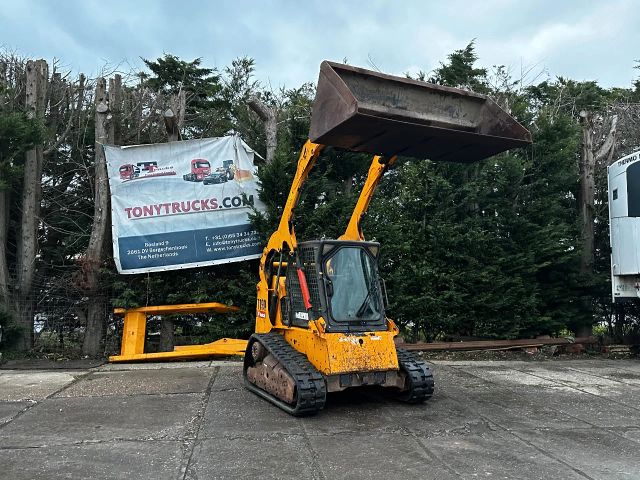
(170, 75)
(238, 87)
(18, 134)
(486, 250)
(230, 284)
(460, 71)
(483, 250)
(207, 110)
(568, 96)
(9, 331)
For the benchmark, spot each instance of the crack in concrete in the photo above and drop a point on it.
(130, 395)
(608, 378)
(561, 412)
(557, 459)
(316, 465)
(229, 389)
(87, 442)
(36, 402)
(196, 423)
(592, 426)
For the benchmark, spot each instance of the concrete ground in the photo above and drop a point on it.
(577, 419)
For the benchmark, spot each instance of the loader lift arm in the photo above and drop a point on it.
(284, 238)
(379, 166)
(285, 234)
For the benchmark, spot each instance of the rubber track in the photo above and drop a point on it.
(421, 383)
(311, 389)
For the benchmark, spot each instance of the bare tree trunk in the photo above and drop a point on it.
(115, 108)
(93, 257)
(588, 163)
(173, 122)
(36, 89)
(347, 185)
(4, 224)
(5, 279)
(167, 338)
(586, 196)
(174, 116)
(609, 146)
(269, 118)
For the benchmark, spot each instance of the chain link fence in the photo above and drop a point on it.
(60, 313)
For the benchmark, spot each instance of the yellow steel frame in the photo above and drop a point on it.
(330, 353)
(135, 326)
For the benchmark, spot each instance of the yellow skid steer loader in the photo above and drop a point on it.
(320, 314)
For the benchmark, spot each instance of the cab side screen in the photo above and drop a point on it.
(633, 189)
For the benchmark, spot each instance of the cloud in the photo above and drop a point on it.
(289, 39)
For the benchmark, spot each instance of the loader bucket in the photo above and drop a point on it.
(371, 112)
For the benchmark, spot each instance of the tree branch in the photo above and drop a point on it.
(67, 129)
(269, 118)
(609, 143)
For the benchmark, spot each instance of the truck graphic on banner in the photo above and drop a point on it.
(193, 213)
(200, 168)
(144, 170)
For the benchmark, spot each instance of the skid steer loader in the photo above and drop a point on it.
(320, 314)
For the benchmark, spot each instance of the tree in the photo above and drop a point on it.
(206, 111)
(18, 134)
(105, 105)
(37, 73)
(460, 71)
(492, 249)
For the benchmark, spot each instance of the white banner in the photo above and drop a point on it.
(182, 204)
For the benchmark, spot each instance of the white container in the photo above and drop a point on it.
(624, 227)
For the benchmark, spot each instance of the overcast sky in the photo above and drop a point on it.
(580, 39)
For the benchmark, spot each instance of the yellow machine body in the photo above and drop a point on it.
(337, 353)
